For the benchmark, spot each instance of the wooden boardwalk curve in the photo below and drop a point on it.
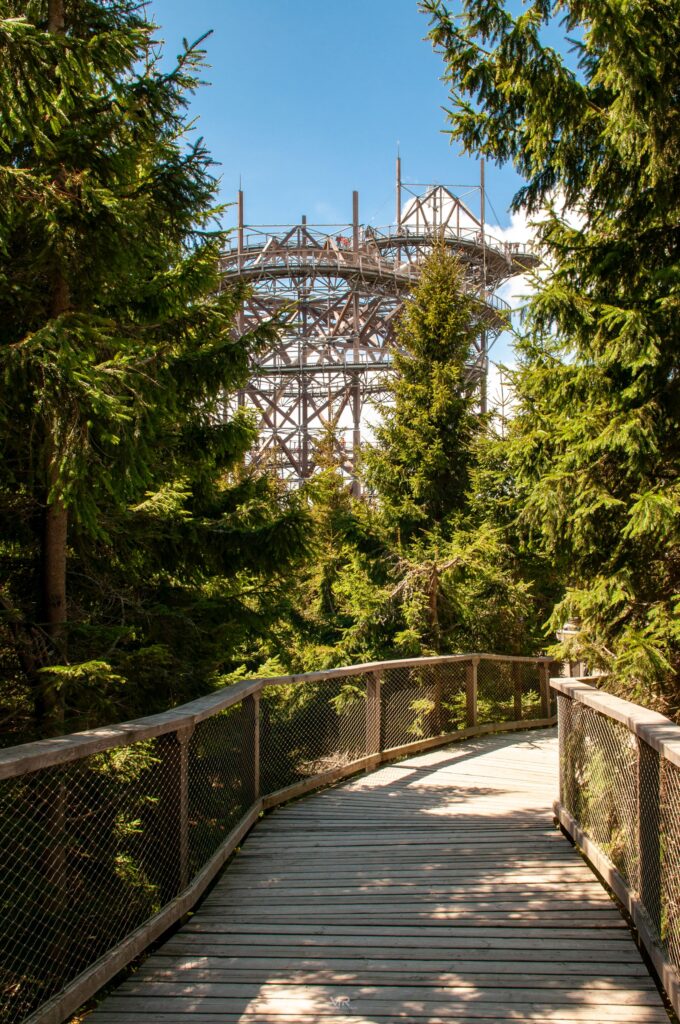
(433, 890)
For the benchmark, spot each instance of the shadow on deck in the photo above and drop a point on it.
(433, 889)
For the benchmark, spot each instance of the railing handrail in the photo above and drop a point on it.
(625, 835)
(380, 234)
(48, 753)
(655, 729)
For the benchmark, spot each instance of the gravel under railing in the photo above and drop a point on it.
(620, 803)
(108, 837)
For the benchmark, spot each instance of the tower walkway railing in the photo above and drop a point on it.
(620, 803)
(109, 837)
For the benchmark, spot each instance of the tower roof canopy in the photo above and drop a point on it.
(438, 208)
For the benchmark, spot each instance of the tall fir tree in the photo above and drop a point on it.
(452, 578)
(419, 464)
(594, 448)
(423, 562)
(121, 496)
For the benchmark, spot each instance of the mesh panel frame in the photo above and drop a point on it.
(625, 796)
(222, 784)
(422, 702)
(307, 729)
(599, 771)
(670, 861)
(508, 691)
(92, 850)
(86, 861)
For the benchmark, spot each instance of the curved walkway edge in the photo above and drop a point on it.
(432, 890)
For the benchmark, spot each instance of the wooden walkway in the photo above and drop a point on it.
(433, 890)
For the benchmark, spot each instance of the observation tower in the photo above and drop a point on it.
(335, 291)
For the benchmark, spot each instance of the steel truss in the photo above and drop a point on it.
(335, 291)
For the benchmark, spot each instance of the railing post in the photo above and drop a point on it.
(649, 831)
(250, 770)
(562, 728)
(516, 670)
(174, 810)
(471, 692)
(544, 683)
(373, 725)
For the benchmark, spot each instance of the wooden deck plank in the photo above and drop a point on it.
(219, 968)
(433, 890)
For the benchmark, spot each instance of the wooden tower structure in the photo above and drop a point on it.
(335, 291)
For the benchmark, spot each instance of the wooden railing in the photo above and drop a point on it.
(108, 837)
(620, 803)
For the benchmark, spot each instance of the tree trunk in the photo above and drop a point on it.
(434, 609)
(56, 516)
(49, 702)
(55, 17)
(49, 709)
(56, 527)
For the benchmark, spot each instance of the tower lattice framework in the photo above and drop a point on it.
(335, 291)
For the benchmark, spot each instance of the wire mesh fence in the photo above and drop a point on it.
(86, 859)
(94, 847)
(670, 861)
(624, 796)
(600, 788)
(222, 780)
(309, 729)
(508, 691)
(422, 702)
(92, 850)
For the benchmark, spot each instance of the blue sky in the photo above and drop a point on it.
(309, 98)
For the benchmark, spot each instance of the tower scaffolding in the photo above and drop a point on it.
(335, 291)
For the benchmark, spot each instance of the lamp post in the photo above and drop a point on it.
(568, 635)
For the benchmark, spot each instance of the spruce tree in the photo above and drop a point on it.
(334, 614)
(120, 478)
(594, 449)
(419, 464)
(451, 576)
(420, 565)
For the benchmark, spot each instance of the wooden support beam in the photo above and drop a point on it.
(471, 692)
(373, 713)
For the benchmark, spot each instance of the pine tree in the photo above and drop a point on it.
(121, 473)
(422, 564)
(595, 446)
(419, 464)
(452, 578)
(334, 614)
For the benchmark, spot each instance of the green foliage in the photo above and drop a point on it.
(594, 449)
(455, 577)
(118, 354)
(336, 611)
(419, 464)
(427, 561)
